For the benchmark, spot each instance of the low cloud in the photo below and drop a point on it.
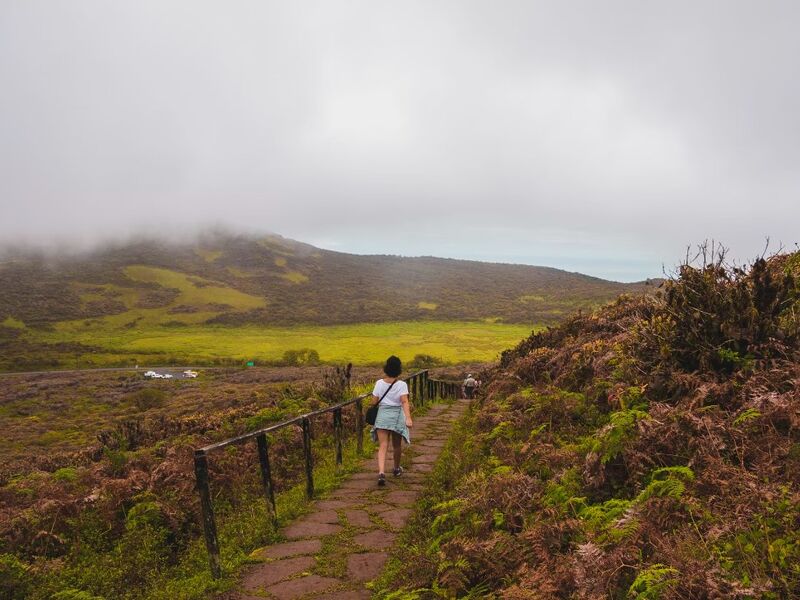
(601, 137)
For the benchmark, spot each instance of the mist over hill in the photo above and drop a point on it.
(236, 279)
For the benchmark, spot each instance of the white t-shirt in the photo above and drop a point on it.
(393, 397)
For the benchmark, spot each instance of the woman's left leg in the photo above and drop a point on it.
(397, 446)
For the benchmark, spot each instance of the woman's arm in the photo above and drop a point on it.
(407, 410)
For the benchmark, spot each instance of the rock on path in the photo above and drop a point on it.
(345, 541)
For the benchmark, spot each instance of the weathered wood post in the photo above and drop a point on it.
(337, 434)
(209, 525)
(266, 477)
(309, 458)
(359, 426)
(423, 380)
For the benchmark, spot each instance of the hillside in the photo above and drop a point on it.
(235, 280)
(650, 450)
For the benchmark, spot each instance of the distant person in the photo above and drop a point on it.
(469, 386)
(394, 416)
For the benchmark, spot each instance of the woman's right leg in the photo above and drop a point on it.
(383, 441)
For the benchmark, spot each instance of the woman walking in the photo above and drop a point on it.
(394, 416)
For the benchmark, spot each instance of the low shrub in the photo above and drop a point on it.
(147, 398)
(304, 357)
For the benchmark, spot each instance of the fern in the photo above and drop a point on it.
(450, 509)
(652, 582)
(619, 430)
(479, 591)
(680, 471)
(447, 524)
(498, 518)
(747, 415)
(599, 516)
(405, 594)
(504, 430)
(666, 482)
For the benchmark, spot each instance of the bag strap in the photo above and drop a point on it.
(386, 392)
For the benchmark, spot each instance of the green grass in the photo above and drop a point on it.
(294, 277)
(453, 342)
(195, 291)
(205, 298)
(12, 323)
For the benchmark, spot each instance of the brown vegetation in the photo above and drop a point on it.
(650, 450)
(97, 475)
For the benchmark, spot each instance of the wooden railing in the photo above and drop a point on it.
(421, 389)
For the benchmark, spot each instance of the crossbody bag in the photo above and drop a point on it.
(372, 411)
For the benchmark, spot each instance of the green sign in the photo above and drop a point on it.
(251, 363)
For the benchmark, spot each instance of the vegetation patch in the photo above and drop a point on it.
(647, 450)
(113, 343)
(294, 277)
(117, 518)
(194, 290)
(12, 323)
(208, 255)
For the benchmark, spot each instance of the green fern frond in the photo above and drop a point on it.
(747, 415)
(652, 582)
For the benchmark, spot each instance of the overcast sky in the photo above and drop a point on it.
(602, 137)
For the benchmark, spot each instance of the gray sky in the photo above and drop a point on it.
(603, 137)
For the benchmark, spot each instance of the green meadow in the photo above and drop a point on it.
(365, 343)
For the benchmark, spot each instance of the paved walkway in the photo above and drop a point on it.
(345, 541)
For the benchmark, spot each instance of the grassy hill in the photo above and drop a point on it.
(650, 450)
(276, 281)
(233, 298)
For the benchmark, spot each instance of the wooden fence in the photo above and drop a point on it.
(422, 389)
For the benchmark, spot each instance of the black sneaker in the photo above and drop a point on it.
(398, 471)
(381, 479)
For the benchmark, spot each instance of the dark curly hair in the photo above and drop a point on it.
(393, 366)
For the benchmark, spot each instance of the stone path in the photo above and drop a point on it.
(345, 541)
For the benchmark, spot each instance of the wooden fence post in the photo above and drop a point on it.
(266, 477)
(209, 525)
(309, 458)
(359, 427)
(337, 434)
